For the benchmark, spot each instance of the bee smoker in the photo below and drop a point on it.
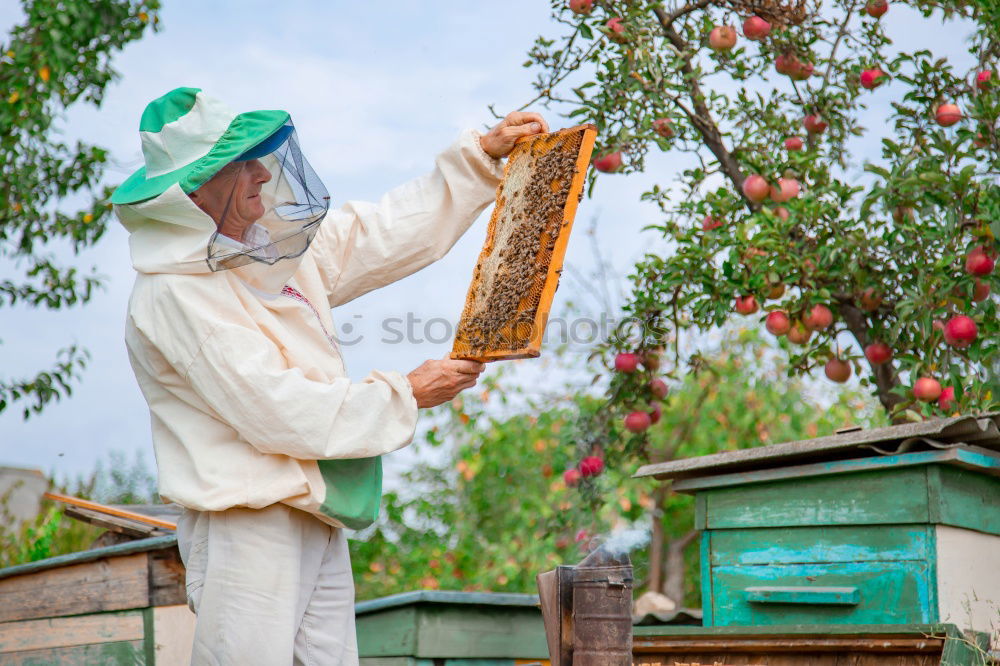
(587, 610)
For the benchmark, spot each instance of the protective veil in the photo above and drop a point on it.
(271, 197)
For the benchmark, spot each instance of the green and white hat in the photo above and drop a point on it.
(187, 137)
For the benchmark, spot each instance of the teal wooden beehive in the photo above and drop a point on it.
(897, 525)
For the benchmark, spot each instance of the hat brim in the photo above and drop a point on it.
(246, 132)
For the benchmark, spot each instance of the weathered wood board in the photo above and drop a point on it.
(106, 585)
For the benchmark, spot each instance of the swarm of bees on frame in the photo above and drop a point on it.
(508, 281)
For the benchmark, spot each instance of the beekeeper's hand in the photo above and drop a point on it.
(499, 141)
(436, 382)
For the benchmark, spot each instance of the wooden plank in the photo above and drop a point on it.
(173, 635)
(116, 583)
(112, 511)
(700, 517)
(981, 431)
(873, 498)
(889, 592)
(117, 524)
(707, 601)
(69, 631)
(860, 543)
(166, 578)
(141, 546)
(387, 633)
(968, 580)
(122, 653)
(913, 630)
(480, 632)
(785, 594)
(970, 457)
(969, 500)
(793, 644)
(800, 658)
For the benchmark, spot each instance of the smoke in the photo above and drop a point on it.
(623, 541)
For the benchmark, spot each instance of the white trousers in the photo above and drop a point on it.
(270, 587)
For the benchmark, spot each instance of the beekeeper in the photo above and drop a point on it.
(258, 431)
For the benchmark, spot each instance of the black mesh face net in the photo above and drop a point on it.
(267, 204)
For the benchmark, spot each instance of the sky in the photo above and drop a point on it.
(375, 89)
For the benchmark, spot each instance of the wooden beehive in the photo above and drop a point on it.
(518, 270)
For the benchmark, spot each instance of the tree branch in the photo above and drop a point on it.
(885, 375)
(701, 118)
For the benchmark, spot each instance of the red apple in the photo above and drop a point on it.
(983, 78)
(802, 71)
(615, 29)
(947, 115)
(980, 140)
(814, 124)
(776, 291)
(581, 6)
(878, 353)
(947, 398)
(663, 127)
(650, 359)
(746, 305)
(654, 414)
(626, 362)
(756, 28)
(788, 188)
(710, 223)
(837, 370)
(938, 325)
(659, 388)
(609, 162)
(876, 8)
(981, 291)
(581, 535)
(872, 78)
(781, 212)
(819, 318)
(798, 334)
(571, 477)
(793, 143)
(756, 188)
(786, 63)
(546, 470)
(960, 331)
(591, 466)
(870, 300)
(927, 389)
(722, 38)
(637, 421)
(777, 322)
(979, 262)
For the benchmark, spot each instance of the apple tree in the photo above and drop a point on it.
(501, 495)
(867, 251)
(59, 55)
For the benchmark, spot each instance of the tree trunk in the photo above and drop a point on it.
(673, 586)
(656, 540)
(885, 375)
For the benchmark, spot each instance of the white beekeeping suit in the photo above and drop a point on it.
(257, 429)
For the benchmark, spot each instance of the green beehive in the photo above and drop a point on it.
(896, 525)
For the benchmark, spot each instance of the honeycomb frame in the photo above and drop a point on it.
(516, 276)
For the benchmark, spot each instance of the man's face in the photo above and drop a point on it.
(237, 184)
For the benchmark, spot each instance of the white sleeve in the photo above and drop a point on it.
(244, 379)
(364, 246)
